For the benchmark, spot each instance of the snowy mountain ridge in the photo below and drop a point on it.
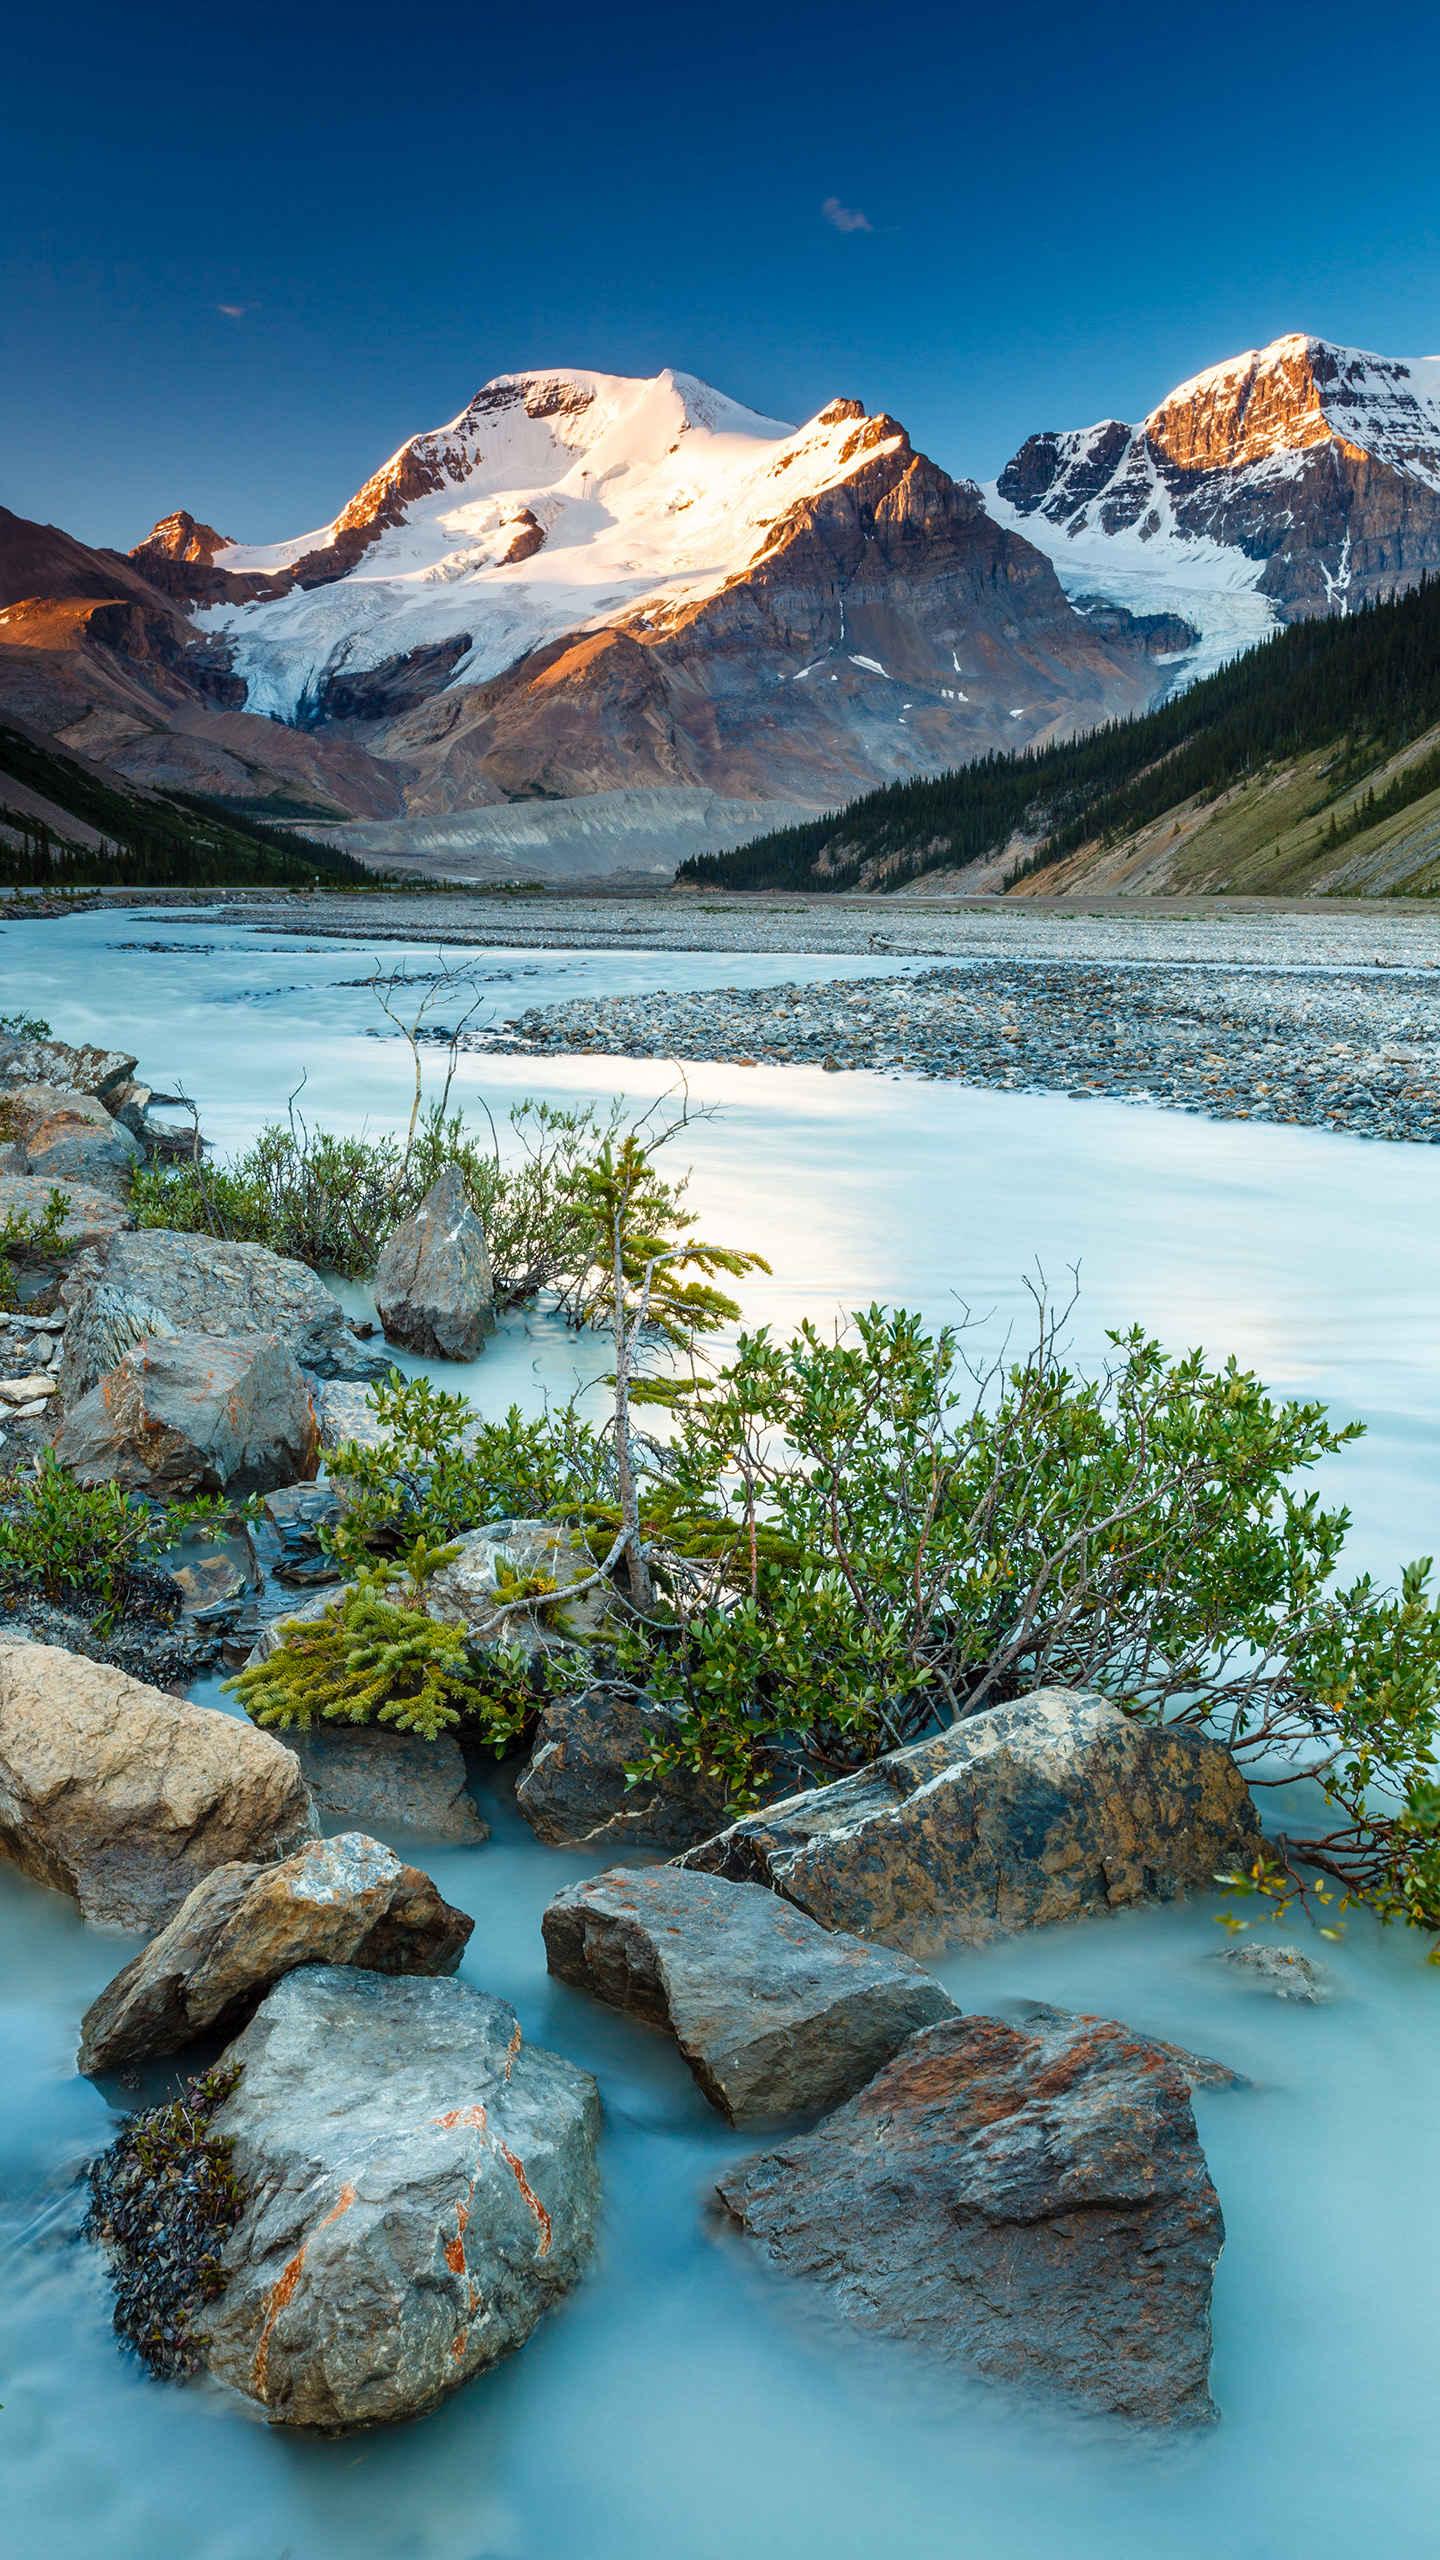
(1296, 478)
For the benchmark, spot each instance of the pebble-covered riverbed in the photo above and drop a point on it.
(1355, 1049)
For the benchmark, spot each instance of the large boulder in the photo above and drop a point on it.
(92, 1220)
(392, 1782)
(573, 1789)
(194, 1413)
(421, 2187)
(1033, 2204)
(496, 1562)
(125, 1798)
(154, 1282)
(774, 2014)
(1055, 1805)
(342, 1901)
(70, 1137)
(102, 1072)
(434, 1289)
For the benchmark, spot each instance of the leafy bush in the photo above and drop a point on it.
(375, 1658)
(329, 1201)
(89, 1547)
(24, 1026)
(440, 1469)
(860, 1538)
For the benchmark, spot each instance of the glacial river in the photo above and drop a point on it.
(683, 2406)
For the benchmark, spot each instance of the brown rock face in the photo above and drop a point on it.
(1026, 1814)
(194, 1413)
(1034, 2205)
(342, 1901)
(124, 1798)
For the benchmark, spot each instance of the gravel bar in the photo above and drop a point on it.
(1323, 1047)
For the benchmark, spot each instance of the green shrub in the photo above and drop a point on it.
(86, 1547)
(439, 1469)
(24, 1026)
(24, 1237)
(164, 2197)
(375, 1658)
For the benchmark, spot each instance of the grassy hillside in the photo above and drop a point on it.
(67, 824)
(1312, 763)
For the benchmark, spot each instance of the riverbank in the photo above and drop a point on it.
(1317, 1046)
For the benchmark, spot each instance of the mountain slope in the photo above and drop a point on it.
(65, 822)
(1297, 479)
(1313, 766)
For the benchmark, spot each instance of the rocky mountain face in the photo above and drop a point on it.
(1301, 478)
(582, 585)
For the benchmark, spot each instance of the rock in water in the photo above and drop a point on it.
(1037, 1811)
(1284, 1971)
(103, 1072)
(773, 2014)
(1034, 2205)
(194, 1413)
(421, 2188)
(398, 1781)
(574, 1790)
(342, 1901)
(434, 1289)
(200, 1284)
(124, 1798)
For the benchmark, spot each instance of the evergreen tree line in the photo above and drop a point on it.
(178, 841)
(1366, 684)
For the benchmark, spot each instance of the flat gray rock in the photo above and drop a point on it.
(775, 2015)
(1028, 1813)
(392, 1782)
(202, 1284)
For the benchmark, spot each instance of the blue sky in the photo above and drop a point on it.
(243, 254)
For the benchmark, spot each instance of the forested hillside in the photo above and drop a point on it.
(1311, 762)
(67, 824)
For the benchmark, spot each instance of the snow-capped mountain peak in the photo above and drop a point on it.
(553, 501)
(1298, 477)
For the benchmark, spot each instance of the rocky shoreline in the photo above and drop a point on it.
(1332, 1048)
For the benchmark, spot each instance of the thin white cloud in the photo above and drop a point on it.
(845, 217)
(239, 310)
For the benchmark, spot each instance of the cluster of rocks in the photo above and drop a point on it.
(1319, 1047)
(413, 2185)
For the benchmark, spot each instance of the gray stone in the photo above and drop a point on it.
(92, 1219)
(573, 1790)
(346, 1413)
(392, 1782)
(774, 2014)
(70, 1137)
(1035, 2205)
(341, 1901)
(103, 1072)
(194, 1413)
(1038, 1811)
(434, 1289)
(470, 1592)
(295, 1515)
(422, 2187)
(125, 1798)
(200, 1284)
(1284, 1971)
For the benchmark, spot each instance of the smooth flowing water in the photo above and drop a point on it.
(683, 2403)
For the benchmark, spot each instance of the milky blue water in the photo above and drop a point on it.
(683, 2406)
